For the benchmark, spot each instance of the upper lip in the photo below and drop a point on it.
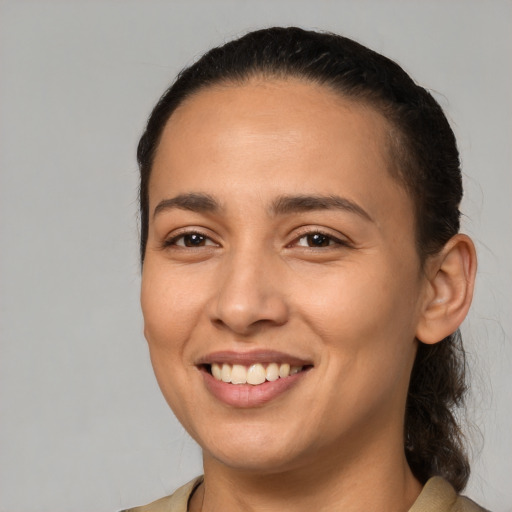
(251, 357)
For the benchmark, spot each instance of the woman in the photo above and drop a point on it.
(304, 279)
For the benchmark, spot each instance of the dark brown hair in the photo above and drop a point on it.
(426, 162)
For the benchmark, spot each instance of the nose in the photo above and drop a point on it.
(249, 295)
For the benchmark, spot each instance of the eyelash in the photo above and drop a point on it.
(172, 242)
(332, 240)
(336, 241)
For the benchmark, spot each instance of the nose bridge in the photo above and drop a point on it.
(248, 294)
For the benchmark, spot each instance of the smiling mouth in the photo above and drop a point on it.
(253, 374)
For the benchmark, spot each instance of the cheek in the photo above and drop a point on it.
(367, 312)
(366, 322)
(171, 304)
(170, 310)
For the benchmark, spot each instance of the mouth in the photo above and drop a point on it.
(253, 374)
(251, 379)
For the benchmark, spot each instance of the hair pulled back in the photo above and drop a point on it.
(424, 159)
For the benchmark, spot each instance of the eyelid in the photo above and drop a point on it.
(340, 240)
(170, 240)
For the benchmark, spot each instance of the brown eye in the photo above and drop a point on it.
(316, 240)
(194, 240)
(191, 240)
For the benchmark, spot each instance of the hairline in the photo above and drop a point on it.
(397, 156)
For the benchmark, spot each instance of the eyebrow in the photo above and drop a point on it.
(304, 203)
(196, 202)
(283, 205)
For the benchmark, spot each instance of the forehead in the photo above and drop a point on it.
(279, 107)
(277, 137)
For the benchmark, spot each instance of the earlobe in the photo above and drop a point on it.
(451, 280)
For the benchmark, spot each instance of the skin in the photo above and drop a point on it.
(353, 307)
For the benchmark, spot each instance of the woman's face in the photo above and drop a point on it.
(277, 237)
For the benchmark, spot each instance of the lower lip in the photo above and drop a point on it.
(247, 395)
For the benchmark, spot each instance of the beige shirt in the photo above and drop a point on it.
(437, 496)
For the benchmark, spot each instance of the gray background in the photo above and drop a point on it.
(83, 425)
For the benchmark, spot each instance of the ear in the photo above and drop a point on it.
(451, 280)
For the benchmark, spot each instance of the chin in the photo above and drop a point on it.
(253, 461)
(253, 451)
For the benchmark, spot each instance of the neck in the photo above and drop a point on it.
(351, 480)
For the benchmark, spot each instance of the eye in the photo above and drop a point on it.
(318, 239)
(315, 240)
(190, 240)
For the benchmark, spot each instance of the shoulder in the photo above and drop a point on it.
(176, 502)
(439, 496)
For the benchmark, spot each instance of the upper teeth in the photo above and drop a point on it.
(254, 374)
